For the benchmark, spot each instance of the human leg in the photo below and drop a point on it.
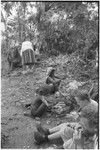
(35, 105)
(57, 131)
(49, 80)
(66, 133)
(69, 144)
(24, 67)
(30, 58)
(25, 59)
(40, 138)
(23, 62)
(11, 67)
(40, 110)
(30, 66)
(53, 133)
(44, 130)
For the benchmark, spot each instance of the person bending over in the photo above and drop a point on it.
(27, 54)
(51, 78)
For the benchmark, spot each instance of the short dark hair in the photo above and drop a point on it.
(82, 94)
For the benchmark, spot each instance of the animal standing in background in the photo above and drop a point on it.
(14, 58)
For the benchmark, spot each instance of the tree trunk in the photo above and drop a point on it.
(20, 37)
(4, 20)
(24, 21)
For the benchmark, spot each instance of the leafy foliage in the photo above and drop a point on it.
(55, 27)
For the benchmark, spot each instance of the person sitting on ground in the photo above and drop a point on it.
(67, 130)
(72, 134)
(38, 107)
(51, 78)
(47, 90)
(40, 104)
(27, 54)
(83, 99)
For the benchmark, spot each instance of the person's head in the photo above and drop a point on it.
(82, 98)
(89, 119)
(27, 38)
(57, 94)
(38, 96)
(50, 71)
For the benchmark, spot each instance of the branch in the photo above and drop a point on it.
(50, 5)
(26, 27)
(2, 18)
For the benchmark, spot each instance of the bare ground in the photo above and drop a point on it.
(17, 90)
(17, 130)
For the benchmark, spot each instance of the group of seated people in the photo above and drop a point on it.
(82, 134)
(74, 134)
(40, 104)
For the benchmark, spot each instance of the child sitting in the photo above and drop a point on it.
(38, 107)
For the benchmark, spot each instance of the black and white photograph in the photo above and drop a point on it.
(49, 74)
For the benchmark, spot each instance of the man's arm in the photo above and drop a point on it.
(45, 102)
(74, 115)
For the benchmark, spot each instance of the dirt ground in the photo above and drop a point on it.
(17, 90)
(17, 130)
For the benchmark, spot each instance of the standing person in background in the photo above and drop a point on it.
(37, 54)
(27, 54)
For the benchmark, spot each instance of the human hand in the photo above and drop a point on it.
(68, 144)
(77, 133)
(73, 115)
